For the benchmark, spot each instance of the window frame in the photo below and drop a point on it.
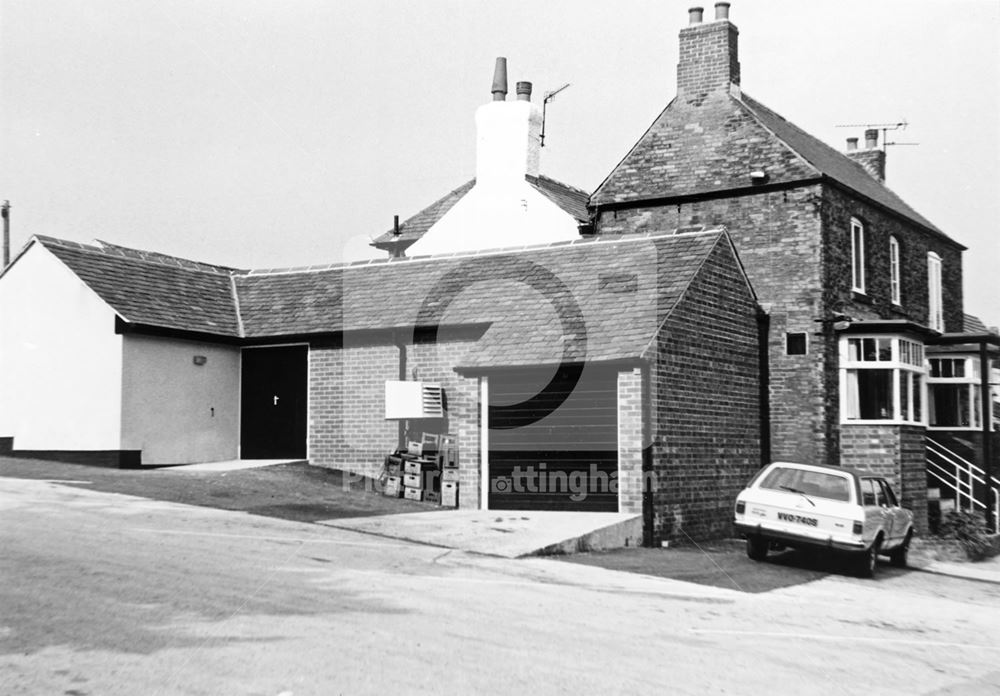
(935, 301)
(908, 381)
(970, 379)
(857, 255)
(805, 335)
(895, 280)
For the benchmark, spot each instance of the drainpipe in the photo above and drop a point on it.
(986, 416)
(401, 345)
(5, 209)
(648, 501)
(764, 395)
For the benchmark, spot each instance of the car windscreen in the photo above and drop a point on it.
(811, 483)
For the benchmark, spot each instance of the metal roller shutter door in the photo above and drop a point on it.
(562, 436)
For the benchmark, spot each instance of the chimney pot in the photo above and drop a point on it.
(722, 10)
(694, 15)
(852, 144)
(871, 138)
(500, 80)
(524, 91)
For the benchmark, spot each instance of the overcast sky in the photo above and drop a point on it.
(264, 134)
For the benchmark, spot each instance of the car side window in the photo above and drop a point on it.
(890, 497)
(868, 497)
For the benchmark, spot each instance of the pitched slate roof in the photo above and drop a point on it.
(972, 324)
(713, 144)
(414, 227)
(597, 299)
(834, 164)
(150, 288)
(570, 199)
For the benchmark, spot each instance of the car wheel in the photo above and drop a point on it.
(898, 555)
(868, 560)
(756, 547)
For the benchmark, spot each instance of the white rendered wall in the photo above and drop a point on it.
(489, 218)
(60, 359)
(502, 209)
(175, 411)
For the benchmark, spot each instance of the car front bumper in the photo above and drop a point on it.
(800, 540)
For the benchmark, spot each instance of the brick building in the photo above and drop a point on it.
(734, 292)
(856, 284)
(556, 365)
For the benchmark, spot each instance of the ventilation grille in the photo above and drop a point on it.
(405, 400)
(433, 401)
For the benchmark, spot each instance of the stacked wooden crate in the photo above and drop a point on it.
(420, 477)
(426, 470)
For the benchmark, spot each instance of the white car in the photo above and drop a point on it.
(827, 507)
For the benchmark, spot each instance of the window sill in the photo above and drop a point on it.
(860, 296)
(881, 422)
(951, 428)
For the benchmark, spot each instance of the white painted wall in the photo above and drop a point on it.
(60, 359)
(511, 216)
(502, 209)
(175, 411)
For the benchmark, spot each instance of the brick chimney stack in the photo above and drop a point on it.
(871, 158)
(709, 59)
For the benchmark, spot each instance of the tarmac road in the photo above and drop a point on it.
(102, 593)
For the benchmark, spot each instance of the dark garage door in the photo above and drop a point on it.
(274, 403)
(553, 440)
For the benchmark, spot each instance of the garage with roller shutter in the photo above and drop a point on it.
(553, 440)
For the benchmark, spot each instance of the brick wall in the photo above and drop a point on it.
(709, 59)
(795, 247)
(895, 452)
(876, 303)
(434, 362)
(347, 426)
(778, 238)
(630, 441)
(705, 409)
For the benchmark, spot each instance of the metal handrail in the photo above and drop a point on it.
(947, 454)
(962, 488)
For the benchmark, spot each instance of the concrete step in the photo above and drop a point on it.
(506, 533)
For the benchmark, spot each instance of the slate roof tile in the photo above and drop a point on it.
(713, 145)
(543, 305)
(569, 198)
(150, 288)
(599, 300)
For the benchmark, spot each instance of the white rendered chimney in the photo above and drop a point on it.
(508, 134)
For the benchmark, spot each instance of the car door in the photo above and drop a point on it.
(898, 514)
(888, 516)
(876, 515)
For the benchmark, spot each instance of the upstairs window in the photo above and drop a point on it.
(857, 256)
(894, 281)
(882, 380)
(935, 309)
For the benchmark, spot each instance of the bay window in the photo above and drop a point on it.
(881, 380)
